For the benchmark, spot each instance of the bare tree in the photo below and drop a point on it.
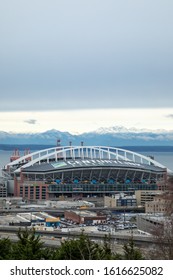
(162, 230)
(163, 240)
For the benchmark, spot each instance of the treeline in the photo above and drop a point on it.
(30, 247)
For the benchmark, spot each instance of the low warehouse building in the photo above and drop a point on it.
(52, 222)
(84, 217)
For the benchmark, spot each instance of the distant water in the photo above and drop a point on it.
(4, 158)
(162, 156)
(165, 158)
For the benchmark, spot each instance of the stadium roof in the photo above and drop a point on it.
(83, 156)
(94, 163)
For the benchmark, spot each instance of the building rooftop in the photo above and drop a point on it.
(84, 213)
(88, 163)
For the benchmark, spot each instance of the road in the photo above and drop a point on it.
(120, 237)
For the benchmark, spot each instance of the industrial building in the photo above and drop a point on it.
(149, 223)
(145, 196)
(82, 172)
(3, 188)
(119, 200)
(84, 217)
(38, 220)
(160, 204)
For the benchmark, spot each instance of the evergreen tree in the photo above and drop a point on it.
(5, 249)
(29, 246)
(83, 249)
(132, 253)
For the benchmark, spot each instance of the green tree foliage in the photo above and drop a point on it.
(5, 249)
(30, 247)
(130, 252)
(83, 249)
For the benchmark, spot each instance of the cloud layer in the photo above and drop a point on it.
(85, 54)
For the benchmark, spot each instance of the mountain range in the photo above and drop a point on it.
(108, 136)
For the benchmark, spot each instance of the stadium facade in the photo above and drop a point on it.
(83, 171)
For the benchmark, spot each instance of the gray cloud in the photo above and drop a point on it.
(170, 116)
(30, 121)
(86, 54)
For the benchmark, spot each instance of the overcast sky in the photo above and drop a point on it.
(76, 57)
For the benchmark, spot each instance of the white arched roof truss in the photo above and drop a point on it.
(82, 152)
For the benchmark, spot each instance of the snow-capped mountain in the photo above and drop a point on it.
(113, 136)
(122, 129)
(113, 129)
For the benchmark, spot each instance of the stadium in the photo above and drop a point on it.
(83, 171)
